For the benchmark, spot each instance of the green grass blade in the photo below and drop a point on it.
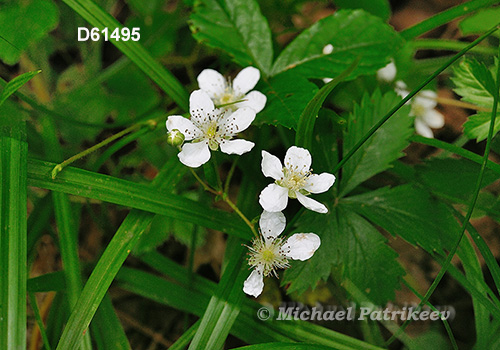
(110, 262)
(15, 84)
(445, 17)
(456, 150)
(39, 321)
(138, 196)
(285, 346)
(13, 212)
(304, 135)
(183, 341)
(97, 17)
(107, 328)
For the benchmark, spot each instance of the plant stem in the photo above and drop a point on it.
(452, 45)
(465, 222)
(409, 96)
(59, 167)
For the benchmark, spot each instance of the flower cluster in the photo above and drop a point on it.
(219, 111)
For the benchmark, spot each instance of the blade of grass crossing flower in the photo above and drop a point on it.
(110, 262)
(13, 274)
(445, 17)
(409, 96)
(97, 17)
(15, 84)
(304, 135)
(447, 262)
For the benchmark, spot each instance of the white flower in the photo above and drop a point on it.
(388, 73)
(222, 91)
(328, 49)
(210, 128)
(422, 107)
(294, 180)
(269, 252)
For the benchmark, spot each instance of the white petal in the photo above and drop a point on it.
(236, 146)
(297, 158)
(327, 80)
(426, 99)
(212, 82)
(401, 88)
(319, 183)
(238, 121)
(433, 118)
(311, 204)
(272, 224)
(271, 166)
(246, 80)
(256, 100)
(422, 129)
(194, 154)
(273, 198)
(184, 125)
(254, 284)
(388, 73)
(199, 105)
(301, 246)
(328, 49)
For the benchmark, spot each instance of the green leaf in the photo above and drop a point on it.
(453, 178)
(287, 95)
(384, 147)
(379, 8)
(304, 135)
(475, 83)
(237, 27)
(22, 24)
(353, 34)
(351, 246)
(410, 213)
(139, 196)
(480, 22)
(15, 84)
(478, 124)
(285, 346)
(13, 270)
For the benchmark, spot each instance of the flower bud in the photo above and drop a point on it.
(175, 138)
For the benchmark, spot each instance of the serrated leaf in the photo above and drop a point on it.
(237, 27)
(287, 96)
(353, 34)
(25, 16)
(353, 246)
(477, 126)
(475, 83)
(383, 147)
(455, 178)
(410, 213)
(379, 8)
(15, 84)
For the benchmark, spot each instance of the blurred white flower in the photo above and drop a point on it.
(388, 73)
(210, 128)
(269, 253)
(328, 49)
(294, 180)
(423, 108)
(223, 92)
